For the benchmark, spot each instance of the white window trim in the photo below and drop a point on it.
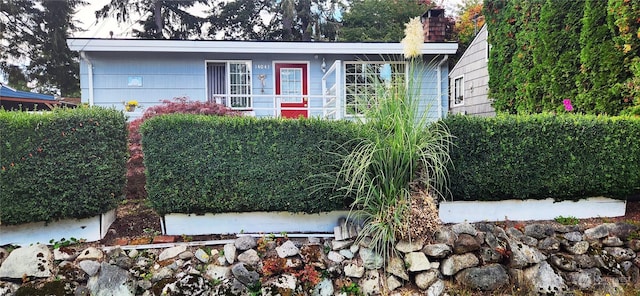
(453, 88)
(344, 73)
(249, 64)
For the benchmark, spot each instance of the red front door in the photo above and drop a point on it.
(291, 84)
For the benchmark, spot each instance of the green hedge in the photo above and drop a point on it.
(211, 164)
(69, 163)
(564, 157)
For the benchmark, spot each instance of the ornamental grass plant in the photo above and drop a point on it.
(404, 156)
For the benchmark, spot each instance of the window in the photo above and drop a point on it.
(458, 91)
(228, 83)
(365, 80)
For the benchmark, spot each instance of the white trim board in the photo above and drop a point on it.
(250, 222)
(522, 210)
(89, 229)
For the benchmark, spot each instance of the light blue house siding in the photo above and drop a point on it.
(127, 73)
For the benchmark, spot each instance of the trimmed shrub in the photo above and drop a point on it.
(541, 156)
(211, 164)
(69, 163)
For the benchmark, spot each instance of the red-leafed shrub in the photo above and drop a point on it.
(135, 168)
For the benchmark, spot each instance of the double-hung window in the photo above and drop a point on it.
(229, 83)
(365, 80)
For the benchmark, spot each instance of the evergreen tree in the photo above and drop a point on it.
(623, 22)
(379, 20)
(602, 66)
(557, 58)
(160, 19)
(501, 23)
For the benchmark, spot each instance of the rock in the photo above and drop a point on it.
(523, 255)
(245, 242)
(161, 274)
(445, 236)
(530, 241)
(538, 231)
(353, 270)
(586, 279)
(218, 272)
(229, 253)
(3, 255)
(335, 257)
(249, 257)
(612, 241)
(633, 244)
(417, 261)
(544, 280)
(491, 240)
(396, 266)
(202, 256)
(370, 283)
(393, 283)
(455, 263)
(324, 288)
(90, 253)
(287, 249)
(585, 261)
(563, 262)
(245, 274)
(59, 255)
(339, 245)
(370, 259)
(514, 233)
(620, 254)
(80, 291)
(486, 278)
(32, 261)
(405, 246)
(549, 244)
(346, 253)
(599, 231)
(437, 250)
(574, 236)
(425, 279)
(489, 255)
(465, 244)
(111, 281)
(133, 253)
(464, 227)
(172, 252)
(186, 255)
(188, 285)
(622, 229)
(579, 248)
(90, 267)
(436, 288)
(284, 284)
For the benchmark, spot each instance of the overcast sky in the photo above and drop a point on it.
(101, 29)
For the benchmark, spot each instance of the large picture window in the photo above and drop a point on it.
(364, 81)
(229, 83)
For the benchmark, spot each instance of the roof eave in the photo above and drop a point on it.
(136, 45)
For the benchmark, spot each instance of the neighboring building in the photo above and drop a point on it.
(11, 99)
(469, 79)
(288, 79)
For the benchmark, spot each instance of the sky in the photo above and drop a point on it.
(101, 28)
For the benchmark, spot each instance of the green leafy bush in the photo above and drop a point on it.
(211, 164)
(564, 157)
(69, 163)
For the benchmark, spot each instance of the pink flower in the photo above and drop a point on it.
(567, 105)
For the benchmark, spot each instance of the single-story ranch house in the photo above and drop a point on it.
(288, 79)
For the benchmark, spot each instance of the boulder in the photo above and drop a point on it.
(245, 274)
(245, 242)
(417, 261)
(485, 278)
(171, 252)
(455, 263)
(230, 253)
(406, 246)
(425, 279)
(32, 261)
(111, 281)
(465, 244)
(437, 250)
(396, 266)
(544, 280)
(287, 249)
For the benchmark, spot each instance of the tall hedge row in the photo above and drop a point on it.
(198, 164)
(69, 163)
(544, 156)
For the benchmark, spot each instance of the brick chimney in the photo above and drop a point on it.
(434, 25)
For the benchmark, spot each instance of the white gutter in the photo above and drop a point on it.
(90, 76)
(446, 57)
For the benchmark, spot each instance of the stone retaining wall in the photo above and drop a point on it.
(540, 258)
